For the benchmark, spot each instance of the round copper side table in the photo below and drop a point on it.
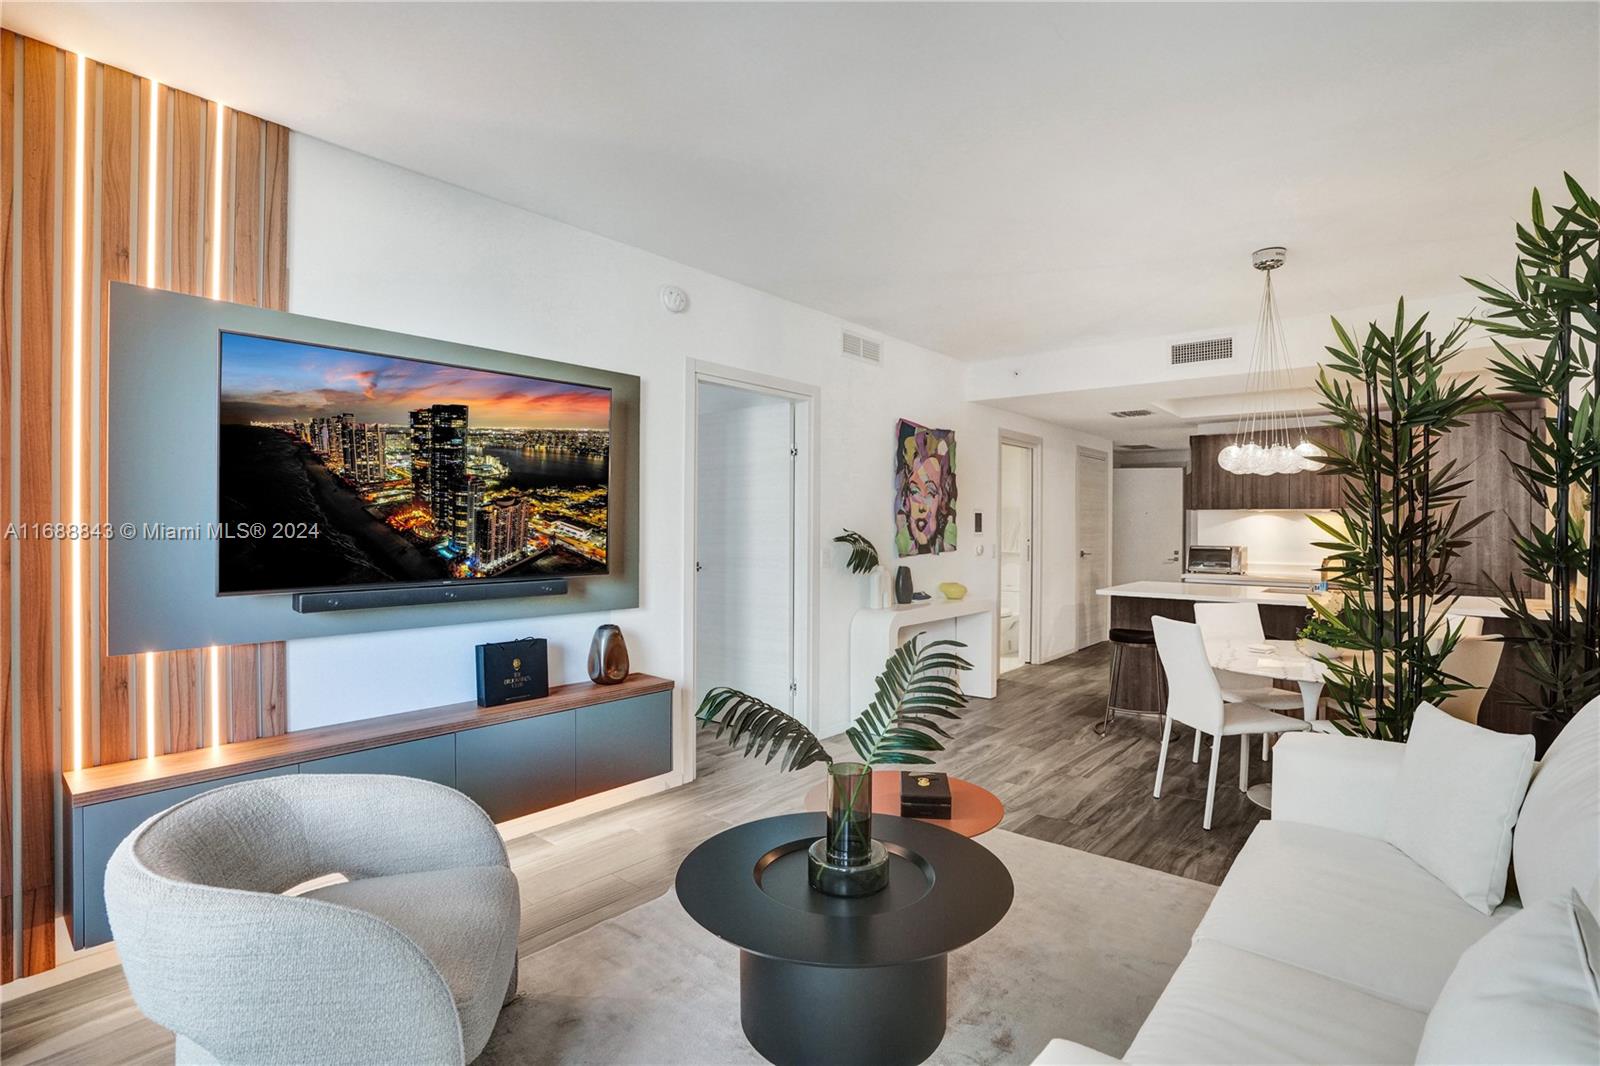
(974, 810)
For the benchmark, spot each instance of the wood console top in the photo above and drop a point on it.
(98, 784)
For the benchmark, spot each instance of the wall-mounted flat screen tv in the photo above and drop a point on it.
(344, 469)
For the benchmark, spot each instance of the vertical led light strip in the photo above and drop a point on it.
(216, 206)
(151, 185)
(153, 155)
(75, 457)
(150, 704)
(214, 683)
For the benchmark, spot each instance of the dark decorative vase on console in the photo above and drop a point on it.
(608, 656)
(848, 862)
(902, 585)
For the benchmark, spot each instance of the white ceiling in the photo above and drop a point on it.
(983, 179)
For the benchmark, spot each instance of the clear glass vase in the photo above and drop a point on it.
(849, 813)
(847, 861)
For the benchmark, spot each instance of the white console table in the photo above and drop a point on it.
(876, 633)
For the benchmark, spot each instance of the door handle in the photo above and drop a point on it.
(1082, 553)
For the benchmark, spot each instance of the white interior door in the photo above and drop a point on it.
(1016, 555)
(1094, 562)
(745, 618)
(1147, 524)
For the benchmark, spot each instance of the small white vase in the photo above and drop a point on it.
(882, 589)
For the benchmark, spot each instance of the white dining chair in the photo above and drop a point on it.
(1194, 698)
(1474, 660)
(1240, 623)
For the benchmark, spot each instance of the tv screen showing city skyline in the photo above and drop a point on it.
(341, 468)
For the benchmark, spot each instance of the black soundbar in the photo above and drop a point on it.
(411, 595)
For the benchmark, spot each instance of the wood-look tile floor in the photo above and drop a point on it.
(1034, 746)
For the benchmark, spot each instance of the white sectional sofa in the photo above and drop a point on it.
(1325, 944)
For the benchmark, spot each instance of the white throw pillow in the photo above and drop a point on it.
(1455, 800)
(1557, 844)
(1525, 993)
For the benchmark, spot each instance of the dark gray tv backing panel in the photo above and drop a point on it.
(161, 590)
(356, 599)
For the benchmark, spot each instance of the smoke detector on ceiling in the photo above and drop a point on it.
(674, 299)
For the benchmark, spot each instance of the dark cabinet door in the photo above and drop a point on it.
(1211, 487)
(624, 741)
(431, 759)
(519, 767)
(97, 830)
(1480, 449)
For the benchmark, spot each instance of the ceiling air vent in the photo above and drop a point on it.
(1136, 413)
(863, 348)
(1136, 447)
(1202, 351)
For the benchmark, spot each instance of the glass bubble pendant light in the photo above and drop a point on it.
(1270, 437)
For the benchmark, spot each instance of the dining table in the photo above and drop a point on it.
(1279, 660)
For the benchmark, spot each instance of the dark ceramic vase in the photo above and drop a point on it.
(902, 585)
(608, 656)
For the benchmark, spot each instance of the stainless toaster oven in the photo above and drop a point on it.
(1215, 559)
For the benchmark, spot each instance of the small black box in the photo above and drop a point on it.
(512, 671)
(924, 794)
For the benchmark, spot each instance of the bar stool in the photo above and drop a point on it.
(1132, 642)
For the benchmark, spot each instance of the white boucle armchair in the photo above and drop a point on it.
(408, 961)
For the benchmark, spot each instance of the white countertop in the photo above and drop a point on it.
(1466, 606)
(1203, 593)
(1269, 578)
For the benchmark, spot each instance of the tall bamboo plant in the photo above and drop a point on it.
(1555, 302)
(1397, 530)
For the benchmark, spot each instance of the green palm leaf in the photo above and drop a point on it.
(918, 685)
(762, 728)
(863, 555)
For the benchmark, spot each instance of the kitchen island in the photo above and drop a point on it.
(1283, 612)
(1278, 596)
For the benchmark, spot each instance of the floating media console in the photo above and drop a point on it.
(511, 760)
(353, 599)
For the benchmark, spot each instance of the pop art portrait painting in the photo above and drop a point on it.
(924, 489)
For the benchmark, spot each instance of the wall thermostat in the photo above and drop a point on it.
(674, 299)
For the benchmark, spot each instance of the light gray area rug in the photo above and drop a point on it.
(1088, 945)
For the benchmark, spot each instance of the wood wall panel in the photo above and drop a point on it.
(274, 689)
(35, 463)
(275, 219)
(10, 70)
(243, 692)
(57, 589)
(248, 137)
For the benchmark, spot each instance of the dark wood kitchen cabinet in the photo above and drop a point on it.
(1480, 450)
(1212, 488)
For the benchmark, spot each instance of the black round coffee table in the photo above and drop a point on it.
(824, 980)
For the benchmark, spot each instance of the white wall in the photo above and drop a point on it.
(376, 245)
(1276, 540)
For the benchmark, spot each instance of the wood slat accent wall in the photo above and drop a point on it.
(78, 210)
